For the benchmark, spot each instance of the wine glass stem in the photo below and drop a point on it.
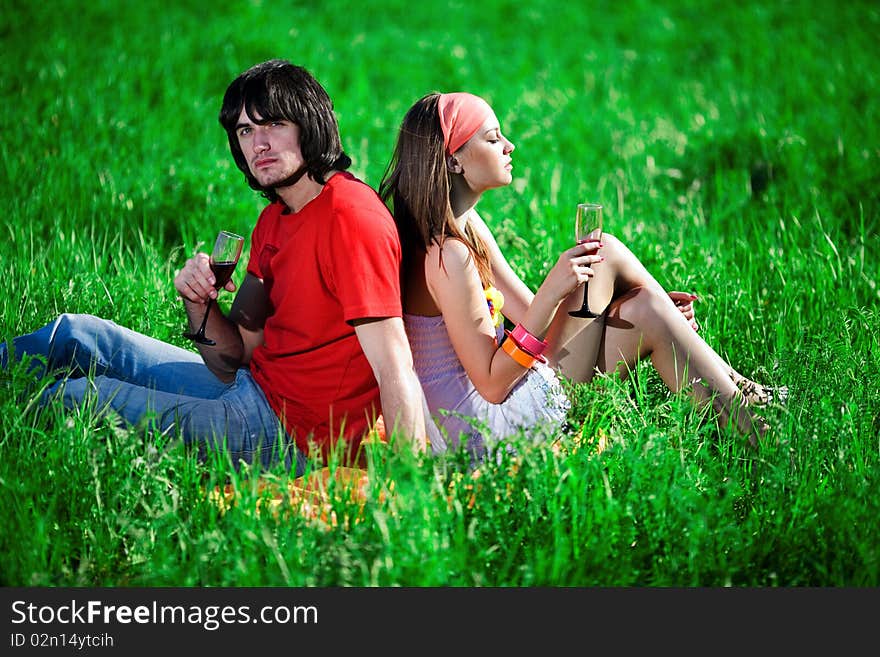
(205, 318)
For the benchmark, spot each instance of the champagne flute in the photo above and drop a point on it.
(587, 226)
(224, 257)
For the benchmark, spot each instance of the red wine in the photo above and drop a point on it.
(222, 272)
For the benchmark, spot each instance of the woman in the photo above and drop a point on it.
(481, 385)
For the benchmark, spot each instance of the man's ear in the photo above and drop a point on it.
(453, 165)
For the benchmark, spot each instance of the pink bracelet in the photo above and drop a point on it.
(516, 343)
(528, 341)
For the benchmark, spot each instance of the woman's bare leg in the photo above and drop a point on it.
(642, 321)
(644, 324)
(574, 342)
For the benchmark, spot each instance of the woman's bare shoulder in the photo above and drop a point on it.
(450, 269)
(451, 252)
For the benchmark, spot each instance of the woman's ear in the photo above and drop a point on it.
(453, 165)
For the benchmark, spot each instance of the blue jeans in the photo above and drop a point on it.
(145, 380)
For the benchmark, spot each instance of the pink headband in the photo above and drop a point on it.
(461, 115)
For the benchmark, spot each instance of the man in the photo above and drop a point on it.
(314, 346)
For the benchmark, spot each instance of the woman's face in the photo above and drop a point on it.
(485, 158)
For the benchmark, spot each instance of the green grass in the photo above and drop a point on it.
(736, 148)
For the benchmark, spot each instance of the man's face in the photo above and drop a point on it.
(272, 149)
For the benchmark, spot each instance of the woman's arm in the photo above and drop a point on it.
(517, 295)
(455, 287)
(535, 311)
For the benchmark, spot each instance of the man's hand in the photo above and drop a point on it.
(235, 337)
(684, 301)
(195, 282)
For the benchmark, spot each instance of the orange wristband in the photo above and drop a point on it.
(520, 356)
(537, 355)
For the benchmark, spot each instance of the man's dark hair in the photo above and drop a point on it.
(278, 90)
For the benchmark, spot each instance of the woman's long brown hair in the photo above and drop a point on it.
(416, 189)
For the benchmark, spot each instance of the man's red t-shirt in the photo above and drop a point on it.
(334, 261)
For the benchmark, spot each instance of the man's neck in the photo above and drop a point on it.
(298, 195)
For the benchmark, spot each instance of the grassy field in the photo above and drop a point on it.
(736, 147)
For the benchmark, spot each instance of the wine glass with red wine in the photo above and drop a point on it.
(224, 257)
(587, 226)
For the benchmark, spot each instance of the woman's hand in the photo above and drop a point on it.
(684, 301)
(574, 267)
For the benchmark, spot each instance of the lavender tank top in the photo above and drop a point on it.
(537, 405)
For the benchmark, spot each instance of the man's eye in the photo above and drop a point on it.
(244, 131)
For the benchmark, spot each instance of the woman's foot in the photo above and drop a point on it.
(760, 395)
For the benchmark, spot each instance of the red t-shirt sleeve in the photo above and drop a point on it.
(364, 260)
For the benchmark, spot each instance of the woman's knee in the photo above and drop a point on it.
(641, 306)
(614, 249)
(629, 272)
(609, 240)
